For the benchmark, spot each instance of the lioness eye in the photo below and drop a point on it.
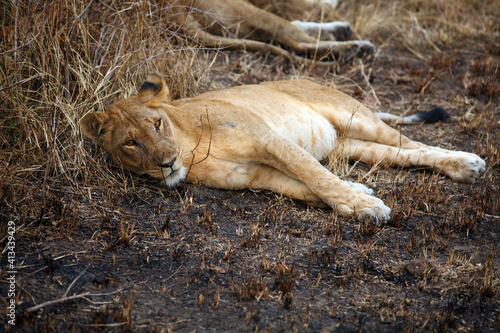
(130, 143)
(157, 125)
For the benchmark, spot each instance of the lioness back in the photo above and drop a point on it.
(279, 107)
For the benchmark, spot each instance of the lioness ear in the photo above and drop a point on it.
(154, 87)
(92, 125)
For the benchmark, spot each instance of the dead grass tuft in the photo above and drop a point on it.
(61, 60)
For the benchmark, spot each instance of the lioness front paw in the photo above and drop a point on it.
(464, 167)
(365, 206)
(378, 212)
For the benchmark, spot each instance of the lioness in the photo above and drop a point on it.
(266, 136)
(244, 24)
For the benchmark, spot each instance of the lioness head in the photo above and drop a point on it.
(138, 134)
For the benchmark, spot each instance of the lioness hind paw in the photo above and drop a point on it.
(465, 167)
(341, 31)
(360, 49)
(329, 31)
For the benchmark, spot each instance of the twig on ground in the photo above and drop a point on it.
(68, 298)
(74, 281)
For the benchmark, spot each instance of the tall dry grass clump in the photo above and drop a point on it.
(62, 59)
(420, 26)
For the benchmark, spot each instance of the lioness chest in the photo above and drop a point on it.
(240, 112)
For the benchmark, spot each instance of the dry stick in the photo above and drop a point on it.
(368, 82)
(314, 63)
(19, 47)
(47, 167)
(16, 35)
(32, 273)
(209, 142)
(69, 298)
(72, 283)
(198, 143)
(57, 301)
(72, 33)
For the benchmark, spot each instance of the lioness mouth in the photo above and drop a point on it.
(173, 176)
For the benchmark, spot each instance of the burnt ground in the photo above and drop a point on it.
(134, 256)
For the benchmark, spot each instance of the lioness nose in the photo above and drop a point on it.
(168, 164)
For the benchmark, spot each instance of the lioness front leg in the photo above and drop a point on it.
(232, 175)
(296, 163)
(269, 178)
(348, 198)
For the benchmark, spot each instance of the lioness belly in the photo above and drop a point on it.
(305, 127)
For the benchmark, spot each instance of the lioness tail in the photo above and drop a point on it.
(432, 116)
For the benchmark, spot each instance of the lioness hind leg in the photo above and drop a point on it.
(459, 166)
(346, 50)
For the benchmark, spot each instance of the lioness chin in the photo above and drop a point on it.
(266, 136)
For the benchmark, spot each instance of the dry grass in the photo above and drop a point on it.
(256, 259)
(65, 59)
